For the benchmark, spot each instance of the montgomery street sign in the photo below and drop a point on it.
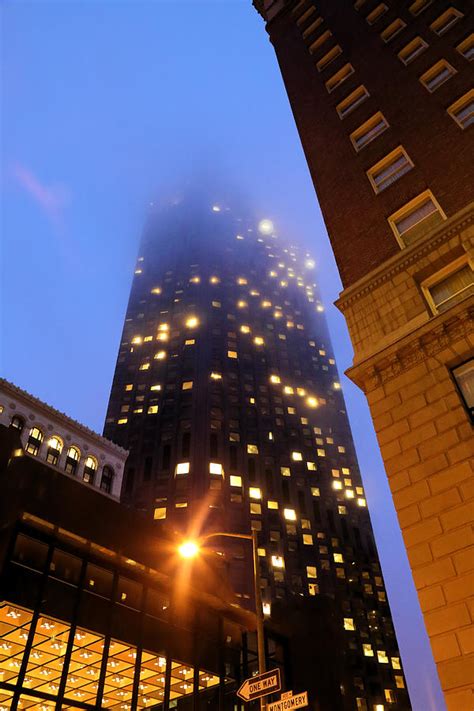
(288, 702)
(261, 685)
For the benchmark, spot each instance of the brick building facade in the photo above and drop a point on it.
(385, 91)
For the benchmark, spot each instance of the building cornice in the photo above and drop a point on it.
(425, 342)
(49, 411)
(405, 258)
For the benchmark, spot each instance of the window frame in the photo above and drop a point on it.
(329, 58)
(469, 410)
(406, 209)
(440, 276)
(332, 87)
(456, 14)
(401, 26)
(386, 161)
(346, 102)
(375, 16)
(365, 128)
(424, 45)
(458, 104)
(468, 43)
(425, 77)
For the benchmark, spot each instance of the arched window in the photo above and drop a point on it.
(90, 468)
(17, 422)
(107, 479)
(72, 460)
(34, 441)
(55, 446)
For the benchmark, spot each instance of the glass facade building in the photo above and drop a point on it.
(227, 396)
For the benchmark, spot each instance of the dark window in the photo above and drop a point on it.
(17, 422)
(98, 580)
(251, 465)
(30, 552)
(107, 479)
(186, 444)
(66, 567)
(464, 378)
(166, 461)
(331, 522)
(147, 467)
(213, 445)
(233, 458)
(285, 491)
(129, 480)
(301, 502)
(129, 593)
(156, 603)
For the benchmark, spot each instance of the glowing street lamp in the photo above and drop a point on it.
(190, 549)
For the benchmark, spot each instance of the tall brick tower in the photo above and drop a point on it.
(382, 97)
(226, 393)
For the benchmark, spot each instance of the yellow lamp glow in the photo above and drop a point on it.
(188, 549)
(265, 227)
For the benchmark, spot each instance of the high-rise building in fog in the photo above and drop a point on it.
(383, 99)
(227, 395)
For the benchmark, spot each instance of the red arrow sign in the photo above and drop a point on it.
(261, 685)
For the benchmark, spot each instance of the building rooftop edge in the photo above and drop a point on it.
(15, 389)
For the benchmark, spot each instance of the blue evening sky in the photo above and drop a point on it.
(106, 105)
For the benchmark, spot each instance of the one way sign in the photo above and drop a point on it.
(261, 685)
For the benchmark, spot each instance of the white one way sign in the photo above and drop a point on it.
(288, 702)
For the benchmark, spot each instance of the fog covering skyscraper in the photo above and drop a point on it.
(227, 395)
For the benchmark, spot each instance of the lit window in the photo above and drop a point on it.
(272, 505)
(466, 48)
(418, 6)
(35, 439)
(412, 50)
(241, 281)
(152, 410)
(352, 101)
(156, 290)
(181, 505)
(216, 468)
(285, 471)
(156, 387)
(122, 421)
(163, 327)
(216, 376)
(128, 388)
(55, 447)
(315, 491)
(311, 571)
(289, 514)
(232, 354)
(445, 21)
(72, 458)
(311, 466)
(162, 337)
(252, 449)
(275, 379)
(277, 561)
(189, 342)
(241, 304)
(255, 492)
(182, 468)
(313, 588)
(90, 468)
(464, 377)
(307, 539)
(297, 456)
(159, 513)
(450, 285)
(392, 30)
(266, 304)
(349, 624)
(361, 502)
(368, 651)
(144, 366)
(328, 58)
(258, 340)
(147, 339)
(338, 558)
(416, 218)
(216, 304)
(160, 355)
(462, 111)
(187, 385)
(255, 508)
(390, 696)
(376, 14)
(369, 130)
(136, 340)
(389, 169)
(245, 329)
(437, 75)
(399, 683)
(396, 662)
(312, 402)
(288, 390)
(382, 656)
(340, 76)
(321, 452)
(349, 494)
(214, 280)
(261, 552)
(235, 480)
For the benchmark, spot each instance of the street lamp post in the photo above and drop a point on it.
(189, 549)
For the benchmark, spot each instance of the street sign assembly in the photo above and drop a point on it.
(267, 683)
(288, 702)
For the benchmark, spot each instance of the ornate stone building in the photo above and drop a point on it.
(382, 97)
